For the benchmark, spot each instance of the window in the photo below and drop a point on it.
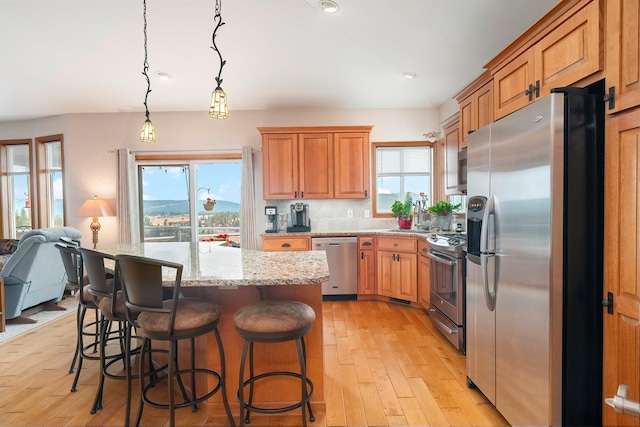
(16, 180)
(50, 181)
(173, 195)
(401, 167)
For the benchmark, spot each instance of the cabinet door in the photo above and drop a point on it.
(386, 272)
(483, 107)
(623, 52)
(468, 120)
(570, 52)
(451, 138)
(316, 166)
(280, 166)
(424, 280)
(621, 360)
(407, 287)
(366, 272)
(510, 83)
(351, 151)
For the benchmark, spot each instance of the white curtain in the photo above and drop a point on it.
(128, 210)
(248, 236)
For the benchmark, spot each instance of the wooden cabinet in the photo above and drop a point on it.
(451, 147)
(564, 56)
(397, 268)
(366, 266)
(476, 108)
(297, 166)
(424, 279)
(286, 243)
(621, 363)
(623, 53)
(315, 163)
(351, 160)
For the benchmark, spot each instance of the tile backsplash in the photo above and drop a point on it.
(338, 214)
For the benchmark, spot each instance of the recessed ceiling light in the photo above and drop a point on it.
(408, 75)
(163, 76)
(329, 6)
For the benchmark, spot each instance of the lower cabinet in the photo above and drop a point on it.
(424, 279)
(397, 268)
(366, 266)
(286, 243)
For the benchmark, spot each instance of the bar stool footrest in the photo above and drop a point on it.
(186, 403)
(282, 409)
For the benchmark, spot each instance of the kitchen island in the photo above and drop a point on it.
(233, 277)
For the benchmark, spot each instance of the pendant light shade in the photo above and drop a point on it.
(218, 108)
(148, 132)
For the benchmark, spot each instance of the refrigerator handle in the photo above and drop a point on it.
(621, 404)
(489, 296)
(484, 231)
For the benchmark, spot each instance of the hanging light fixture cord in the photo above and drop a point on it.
(218, 19)
(146, 63)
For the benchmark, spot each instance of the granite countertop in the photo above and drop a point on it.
(344, 233)
(209, 264)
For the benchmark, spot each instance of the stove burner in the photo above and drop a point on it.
(433, 237)
(453, 241)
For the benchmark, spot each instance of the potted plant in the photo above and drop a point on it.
(444, 212)
(209, 204)
(402, 211)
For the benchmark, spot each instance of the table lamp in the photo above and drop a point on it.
(94, 208)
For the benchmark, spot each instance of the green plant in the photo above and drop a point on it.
(402, 208)
(443, 208)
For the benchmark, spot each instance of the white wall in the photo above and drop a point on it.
(90, 141)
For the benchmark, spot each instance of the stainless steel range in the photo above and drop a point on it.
(447, 271)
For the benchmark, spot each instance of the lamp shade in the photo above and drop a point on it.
(96, 207)
(218, 108)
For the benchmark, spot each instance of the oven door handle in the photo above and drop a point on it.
(440, 258)
(442, 325)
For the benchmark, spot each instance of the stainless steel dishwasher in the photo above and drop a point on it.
(342, 257)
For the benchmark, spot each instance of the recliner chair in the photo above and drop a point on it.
(35, 273)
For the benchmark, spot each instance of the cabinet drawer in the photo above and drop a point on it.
(365, 242)
(286, 243)
(397, 244)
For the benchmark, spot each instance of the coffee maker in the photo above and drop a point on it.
(299, 218)
(272, 219)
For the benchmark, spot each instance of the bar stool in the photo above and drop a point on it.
(72, 260)
(273, 321)
(108, 296)
(169, 320)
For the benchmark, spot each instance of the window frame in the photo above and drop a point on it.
(44, 210)
(435, 181)
(179, 159)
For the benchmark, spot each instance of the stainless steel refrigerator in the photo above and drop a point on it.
(534, 261)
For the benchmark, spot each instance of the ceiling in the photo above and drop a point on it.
(86, 56)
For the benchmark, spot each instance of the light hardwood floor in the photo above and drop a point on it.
(385, 365)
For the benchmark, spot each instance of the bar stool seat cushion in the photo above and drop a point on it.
(192, 315)
(105, 306)
(273, 316)
(87, 297)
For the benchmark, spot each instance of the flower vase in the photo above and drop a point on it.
(443, 223)
(404, 221)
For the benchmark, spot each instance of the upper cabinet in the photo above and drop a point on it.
(476, 107)
(623, 54)
(451, 148)
(570, 51)
(315, 163)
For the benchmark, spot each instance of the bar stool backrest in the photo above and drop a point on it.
(99, 286)
(73, 265)
(142, 282)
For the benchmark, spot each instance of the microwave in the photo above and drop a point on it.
(462, 171)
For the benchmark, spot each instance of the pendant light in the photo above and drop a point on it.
(218, 108)
(148, 132)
